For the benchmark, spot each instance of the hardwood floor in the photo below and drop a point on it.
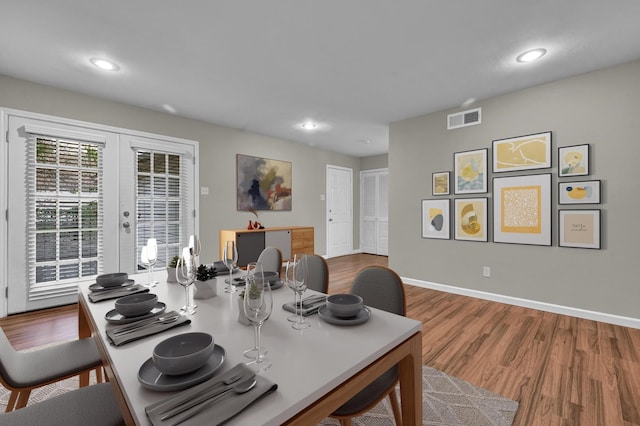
(562, 370)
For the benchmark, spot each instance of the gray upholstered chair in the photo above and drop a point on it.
(20, 372)
(271, 259)
(379, 288)
(92, 405)
(317, 273)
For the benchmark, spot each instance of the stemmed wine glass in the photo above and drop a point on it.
(186, 276)
(152, 258)
(229, 258)
(289, 276)
(300, 285)
(257, 305)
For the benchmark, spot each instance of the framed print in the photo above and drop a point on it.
(440, 183)
(436, 219)
(522, 153)
(470, 219)
(579, 228)
(263, 184)
(522, 209)
(583, 192)
(470, 171)
(573, 160)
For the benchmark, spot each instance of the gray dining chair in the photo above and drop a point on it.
(271, 259)
(379, 288)
(94, 405)
(20, 372)
(317, 273)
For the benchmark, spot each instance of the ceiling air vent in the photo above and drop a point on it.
(465, 118)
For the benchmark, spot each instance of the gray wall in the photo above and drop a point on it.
(218, 148)
(600, 108)
(374, 162)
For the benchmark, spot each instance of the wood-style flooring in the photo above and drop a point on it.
(562, 370)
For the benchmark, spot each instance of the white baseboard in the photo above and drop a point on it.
(525, 303)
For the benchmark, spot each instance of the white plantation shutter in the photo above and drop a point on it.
(64, 189)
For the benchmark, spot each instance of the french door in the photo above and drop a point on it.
(83, 199)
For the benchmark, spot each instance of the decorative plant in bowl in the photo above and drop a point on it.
(171, 270)
(205, 282)
(242, 317)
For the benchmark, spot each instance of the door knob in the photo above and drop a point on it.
(125, 225)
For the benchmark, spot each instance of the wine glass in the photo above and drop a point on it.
(251, 270)
(229, 258)
(289, 277)
(300, 285)
(186, 276)
(258, 304)
(152, 258)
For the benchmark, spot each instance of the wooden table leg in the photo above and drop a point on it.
(84, 331)
(410, 372)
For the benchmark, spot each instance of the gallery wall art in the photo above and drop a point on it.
(436, 219)
(573, 160)
(470, 219)
(470, 171)
(579, 228)
(522, 209)
(580, 192)
(522, 153)
(263, 184)
(440, 183)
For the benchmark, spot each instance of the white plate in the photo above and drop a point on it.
(327, 316)
(98, 287)
(113, 317)
(151, 378)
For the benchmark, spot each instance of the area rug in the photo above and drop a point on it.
(446, 401)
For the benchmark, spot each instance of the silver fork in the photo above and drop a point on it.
(144, 323)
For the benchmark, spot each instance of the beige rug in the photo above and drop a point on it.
(446, 401)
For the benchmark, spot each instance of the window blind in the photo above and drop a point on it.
(65, 208)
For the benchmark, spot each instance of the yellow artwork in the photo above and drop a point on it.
(522, 209)
(522, 153)
(573, 160)
(441, 183)
(471, 219)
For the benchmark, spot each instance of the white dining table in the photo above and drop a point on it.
(316, 369)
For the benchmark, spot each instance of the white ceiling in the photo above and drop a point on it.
(353, 66)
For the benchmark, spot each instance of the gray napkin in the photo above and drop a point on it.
(308, 308)
(97, 296)
(147, 330)
(221, 411)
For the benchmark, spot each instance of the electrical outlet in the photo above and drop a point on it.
(486, 271)
(204, 190)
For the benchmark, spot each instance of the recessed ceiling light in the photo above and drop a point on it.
(531, 55)
(365, 141)
(104, 64)
(308, 125)
(468, 102)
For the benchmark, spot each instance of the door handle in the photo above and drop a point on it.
(125, 225)
(330, 220)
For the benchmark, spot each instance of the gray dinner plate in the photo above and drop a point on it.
(151, 378)
(114, 317)
(98, 287)
(327, 316)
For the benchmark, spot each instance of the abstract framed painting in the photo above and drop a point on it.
(263, 184)
(440, 183)
(582, 192)
(470, 171)
(522, 153)
(436, 219)
(522, 209)
(573, 160)
(470, 218)
(579, 228)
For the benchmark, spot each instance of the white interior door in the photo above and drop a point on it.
(339, 211)
(374, 208)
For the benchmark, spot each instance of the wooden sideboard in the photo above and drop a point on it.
(250, 242)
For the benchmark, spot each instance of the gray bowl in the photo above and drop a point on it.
(344, 305)
(112, 280)
(183, 353)
(136, 304)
